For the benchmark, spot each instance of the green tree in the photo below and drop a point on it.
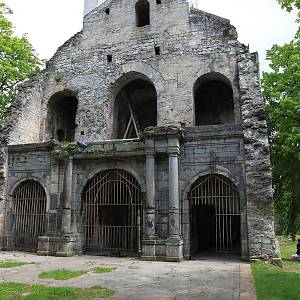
(18, 61)
(281, 89)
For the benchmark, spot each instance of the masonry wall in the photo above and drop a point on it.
(258, 176)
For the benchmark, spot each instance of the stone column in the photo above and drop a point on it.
(174, 243)
(67, 197)
(149, 238)
(150, 185)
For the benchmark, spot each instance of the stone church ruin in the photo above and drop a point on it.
(145, 135)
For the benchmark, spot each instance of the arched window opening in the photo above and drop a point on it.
(213, 98)
(112, 211)
(62, 109)
(29, 215)
(142, 12)
(136, 109)
(215, 215)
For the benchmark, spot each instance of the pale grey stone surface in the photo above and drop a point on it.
(134, 279)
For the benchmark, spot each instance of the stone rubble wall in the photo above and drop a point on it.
(262, 240)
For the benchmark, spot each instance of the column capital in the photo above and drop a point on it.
(173, 146)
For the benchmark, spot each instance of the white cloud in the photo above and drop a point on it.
(50, 23)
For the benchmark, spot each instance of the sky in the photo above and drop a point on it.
(49, 23)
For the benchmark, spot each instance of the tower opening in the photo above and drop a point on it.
(213, 101)
(142, 12)
(62, 109)
(135, 109)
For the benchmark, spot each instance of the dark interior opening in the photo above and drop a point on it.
(113, 215)
(213, 103)
(236, 233)
(142, 11)
(107, 11)
(203, 229)
(136, 109)
(62, 110)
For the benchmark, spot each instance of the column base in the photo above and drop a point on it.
(57, 246)
(174, 249)
(148, 250)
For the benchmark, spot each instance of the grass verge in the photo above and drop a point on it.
(12, 264)
(17, 291)
(273, 283)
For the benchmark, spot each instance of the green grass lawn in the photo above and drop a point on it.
(61, 274)
(274, 283)
(17, 291)
(103, 270)
(64, 274)
(12, 264)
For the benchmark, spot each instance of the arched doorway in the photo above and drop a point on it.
(112, 214)
(135, 108)
(29, 215)
(214, 215)
(213, 100)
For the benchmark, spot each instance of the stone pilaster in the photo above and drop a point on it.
(67, 197)
(63, 245)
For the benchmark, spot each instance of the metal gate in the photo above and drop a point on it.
(29, 215)
(219, 192)
(112, 213)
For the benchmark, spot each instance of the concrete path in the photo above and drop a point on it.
(138, 280)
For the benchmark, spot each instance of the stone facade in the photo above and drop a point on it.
(180, 46)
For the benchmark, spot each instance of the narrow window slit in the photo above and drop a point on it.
(157, 50)
(109, 58)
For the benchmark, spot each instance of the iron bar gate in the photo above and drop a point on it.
(221, 193)
(29, 215)
(112, 214)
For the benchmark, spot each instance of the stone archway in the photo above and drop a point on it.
(112, 213)
(29, 215)
(215, 217)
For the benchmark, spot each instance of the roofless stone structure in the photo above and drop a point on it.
(145, 135)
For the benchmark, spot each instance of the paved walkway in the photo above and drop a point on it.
(138, 280)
